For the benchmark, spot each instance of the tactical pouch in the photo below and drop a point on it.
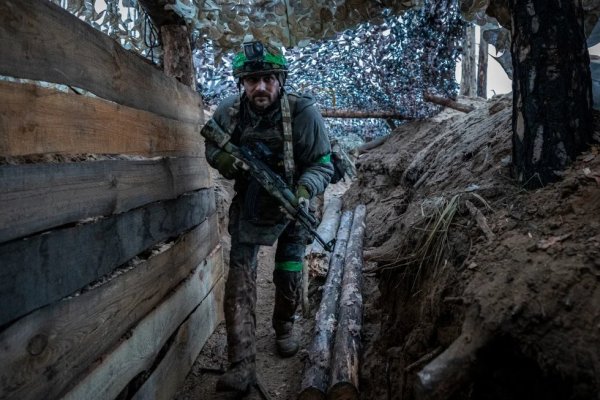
(260, 220)
(260, 207)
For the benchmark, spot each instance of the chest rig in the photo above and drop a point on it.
(273, 129)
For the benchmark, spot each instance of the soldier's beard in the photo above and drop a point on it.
(262, 101)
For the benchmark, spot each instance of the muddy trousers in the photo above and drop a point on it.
(240, 291)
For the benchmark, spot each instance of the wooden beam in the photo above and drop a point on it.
(44, 351)
(138, 352)
(346, 351)
(340, 113)
(41, 41)
(442, 101)
(44, 268)
(170, 374)
(38, 197)
(37, 120)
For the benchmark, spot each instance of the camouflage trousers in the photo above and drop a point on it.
(240, 288)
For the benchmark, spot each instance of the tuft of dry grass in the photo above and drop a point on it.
(431, 242)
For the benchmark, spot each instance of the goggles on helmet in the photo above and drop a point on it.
(258, 58)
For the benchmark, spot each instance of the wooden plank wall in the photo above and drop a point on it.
(109, 241)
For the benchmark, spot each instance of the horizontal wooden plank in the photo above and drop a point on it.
(138, 352)
(45, 351)
(38, 197)
(37, 120)
(41, 41)
(41, 269)
(170, 374)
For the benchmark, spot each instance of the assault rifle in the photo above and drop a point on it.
(268, 179)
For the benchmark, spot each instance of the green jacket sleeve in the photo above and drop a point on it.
(312, 151)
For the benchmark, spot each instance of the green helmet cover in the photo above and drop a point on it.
(271, 61)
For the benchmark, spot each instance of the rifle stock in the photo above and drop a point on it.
(268, 179)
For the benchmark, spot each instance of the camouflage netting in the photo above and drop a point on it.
(367, 55)
(289, 23)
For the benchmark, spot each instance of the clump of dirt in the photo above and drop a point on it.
(471, 269)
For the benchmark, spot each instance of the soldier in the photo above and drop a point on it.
(291, 129)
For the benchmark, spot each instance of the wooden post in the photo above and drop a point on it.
(482, 66)
(346, 351)
(316, 370)
(468, 76)
(178, 60)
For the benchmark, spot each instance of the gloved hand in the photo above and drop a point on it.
(227, 165)
(303, 196)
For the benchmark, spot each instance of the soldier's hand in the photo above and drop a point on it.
(229, 166)
(303, 196)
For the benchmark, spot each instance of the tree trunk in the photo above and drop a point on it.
(346, 350)
(482, 66)
(552, 91)
(316, 371)
(468, 77)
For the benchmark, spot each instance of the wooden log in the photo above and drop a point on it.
(339, 113)
(316, 259)
(44, 268)
(448, 103)
(41, 41)
(37, 120)
(38, 197)
(138, 352)
(346, 351)
(170, 374)
(328, 227)
(315, 378)
(46, 350)
(481, 221)
(372, 144)
(440, 378)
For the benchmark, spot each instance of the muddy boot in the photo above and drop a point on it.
(286, 342)
(287, 284)
(240, 377)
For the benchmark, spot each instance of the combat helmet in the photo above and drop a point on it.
(256, 58)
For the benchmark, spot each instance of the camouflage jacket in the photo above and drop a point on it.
(259, 215)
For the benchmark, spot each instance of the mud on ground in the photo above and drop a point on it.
(519, 291)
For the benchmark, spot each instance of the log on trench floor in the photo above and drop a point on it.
(316, 258)
(315, 377)
(346, 351)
